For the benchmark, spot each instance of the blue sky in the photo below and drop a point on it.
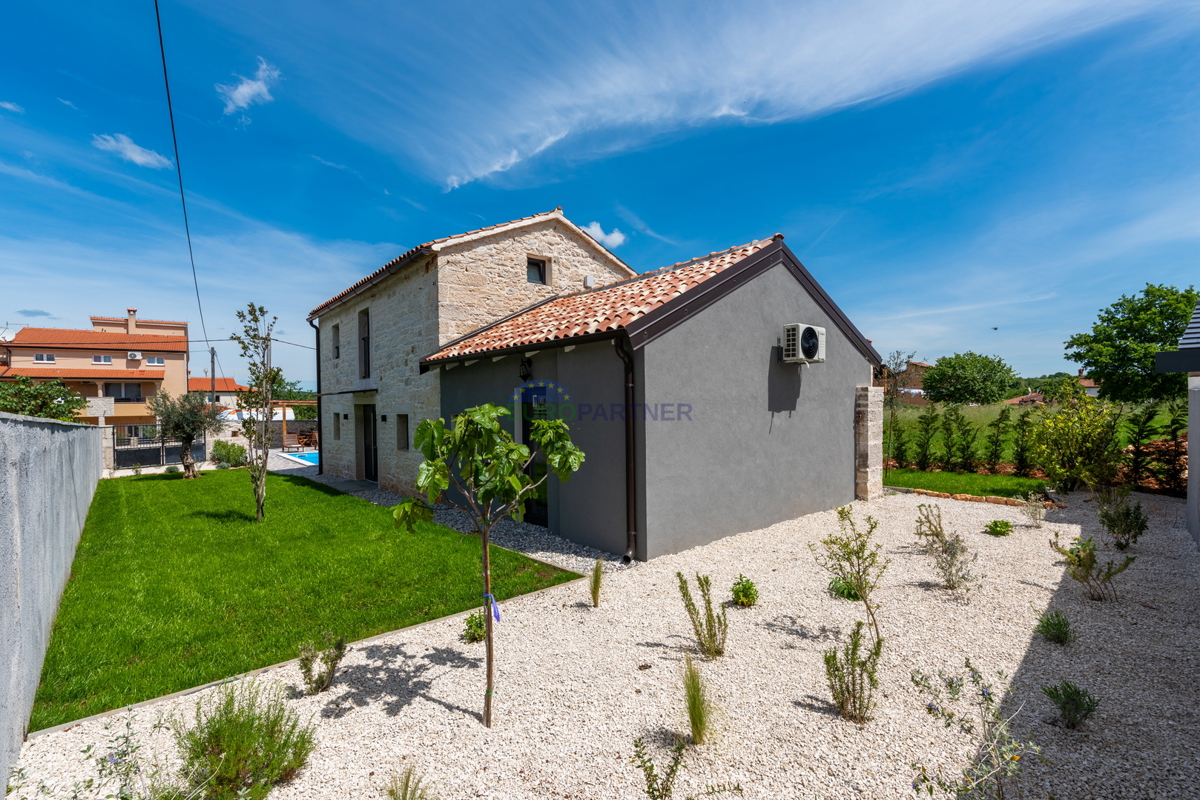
(944, 169)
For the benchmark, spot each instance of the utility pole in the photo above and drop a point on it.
(212, 373)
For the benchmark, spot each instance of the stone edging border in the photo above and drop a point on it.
(261, 670)
(972, 498)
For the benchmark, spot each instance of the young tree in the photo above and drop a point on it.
(185, 418)
(968, 378)
(255, 341)
(1119, 352)
(49, 400)
(490, 475)
(896, 379)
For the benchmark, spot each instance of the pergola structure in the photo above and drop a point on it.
(285, 405)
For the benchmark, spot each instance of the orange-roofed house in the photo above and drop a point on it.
(714, 396)
(117, 364)
(226, 390)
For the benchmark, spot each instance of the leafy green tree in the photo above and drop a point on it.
(49, 400)
(968, 378)
(1080, 444)
(185, 418)
(490, 476)
(290, 390)
(255, 341)
(896, 378)
(1119, 352)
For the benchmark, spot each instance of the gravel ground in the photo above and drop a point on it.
(576, 685)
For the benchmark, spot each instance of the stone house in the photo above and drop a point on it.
(372, 336)
(1187, 359)
(702, 407)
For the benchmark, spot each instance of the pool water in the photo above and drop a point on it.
(307, 458)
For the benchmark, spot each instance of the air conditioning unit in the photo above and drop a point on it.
(133, 356)
(803, 344)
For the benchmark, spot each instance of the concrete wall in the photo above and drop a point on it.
(765, 441)
(590, 507)
(48, 474)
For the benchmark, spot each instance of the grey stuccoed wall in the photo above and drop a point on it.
(48, 474)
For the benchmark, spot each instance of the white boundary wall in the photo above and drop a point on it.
(48, 475)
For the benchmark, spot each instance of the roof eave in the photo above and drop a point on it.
(549, 344)
(389, 270)
(1178, 361)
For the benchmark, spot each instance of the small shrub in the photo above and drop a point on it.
(1083, 565)
(662, 787)
(1035, 508)
(699, 704)
(329, 656)
(1123, 522)
(998, 527)
(852, 556)
(711, 628)
(1055, 627)
(1000, 754)
(1075, 704)
(1170, 462)
(232, 454)
(900, 448)
(851, 676)
(222, 465)
(840, 587)
(745, 593)
(928, 426)
(597, 577)
(1023, 434)
(1141, 429)
(960, 437)
(929, 524)
(475, 627)
(408, 785)
(949, 552)
(171, 470)
(245, 740)
(994, 445)
(137, 468)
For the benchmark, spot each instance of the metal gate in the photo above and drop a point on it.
(140, 445)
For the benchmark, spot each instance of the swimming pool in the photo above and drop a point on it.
(312, 459)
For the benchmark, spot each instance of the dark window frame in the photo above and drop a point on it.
(542, 268)
(364, 344)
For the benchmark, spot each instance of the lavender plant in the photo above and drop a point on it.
(329, 657)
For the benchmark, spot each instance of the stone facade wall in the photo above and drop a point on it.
(463, 287)
(484, 280)
(868, 442)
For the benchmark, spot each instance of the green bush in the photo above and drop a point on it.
(1083, 565)
(223, 465)
(851, 676)
(840, 587)
(1023, 432)
(245, 740)
(745, 593)
(1080, 444)
(407, 786)
(711, 629)
(329, 657)
(960, 436)
(924, 455)
(1075, 704)
(1124, 522)
(172, 470)
(232, 454)
(998, 527)
(1055, 627)
(475, 627)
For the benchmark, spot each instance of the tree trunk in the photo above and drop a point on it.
(185, 458)
(258, 474)
(487, 618)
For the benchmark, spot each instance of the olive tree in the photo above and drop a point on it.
(185, 418)
(474, 465)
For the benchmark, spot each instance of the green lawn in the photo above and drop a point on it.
(962, 482)
(174, 584)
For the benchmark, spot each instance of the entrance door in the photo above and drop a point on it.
(370, 444)
(533, 407)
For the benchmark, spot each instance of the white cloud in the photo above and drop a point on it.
(250, 91)
(123, 146)
(12, 107)
(329, 163)
(611, 240)
(68, 103)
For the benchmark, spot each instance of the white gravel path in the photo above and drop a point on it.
(571, 696)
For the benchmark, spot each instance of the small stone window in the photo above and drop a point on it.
(535, 270)
(364, 344)
(402, 431)
(337, 426)
(337, 341)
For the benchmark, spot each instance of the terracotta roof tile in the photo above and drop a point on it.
(608, 308)
(84, 374)
(223, 385)
(400, 259)
(98, 340)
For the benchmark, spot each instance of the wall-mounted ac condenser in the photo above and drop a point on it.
(803, 344)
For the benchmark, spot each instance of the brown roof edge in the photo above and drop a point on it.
(547, 344)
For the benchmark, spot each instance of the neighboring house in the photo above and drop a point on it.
(1090, 387)
(1030, 398)
(1187, 359)
(673, 384)
(911, 384)
(117, 365)
(372, 335)
(227, 390)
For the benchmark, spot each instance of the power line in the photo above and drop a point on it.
(293, 344)
(179, 167)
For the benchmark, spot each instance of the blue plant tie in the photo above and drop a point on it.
(495, 608)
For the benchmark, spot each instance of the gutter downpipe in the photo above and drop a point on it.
(630, 461)
(320, 437)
